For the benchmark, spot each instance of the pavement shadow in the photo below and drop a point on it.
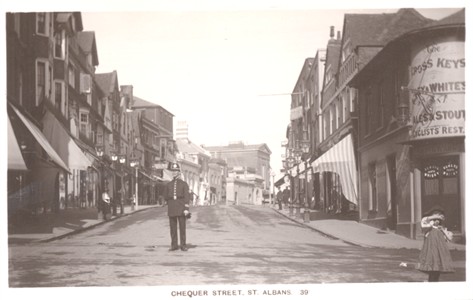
(73, 218)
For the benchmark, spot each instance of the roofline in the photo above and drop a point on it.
(393, 43)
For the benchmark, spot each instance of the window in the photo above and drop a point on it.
(99, 136)
(373, 193)
(84, 122)
(85, 83)
(163, 148)
(59, 45)
(72, 75)
(333, 118)
(42, 23)
(59, 97)
(42, 82)
(380, 106)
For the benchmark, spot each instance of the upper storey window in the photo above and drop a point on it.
(59, 45)
(42, 24)
(346, 51)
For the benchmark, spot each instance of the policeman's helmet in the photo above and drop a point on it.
(174, 167)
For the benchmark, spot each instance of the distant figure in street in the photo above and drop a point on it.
(105, 204)
(286, 195)
(435, 257)
(177, 197)
(279, 198)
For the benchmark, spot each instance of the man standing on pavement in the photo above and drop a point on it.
(177, 197)
(286, 196)
(279, 198)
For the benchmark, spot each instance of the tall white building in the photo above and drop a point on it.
(182, 130)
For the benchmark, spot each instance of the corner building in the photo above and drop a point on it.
(412, 129)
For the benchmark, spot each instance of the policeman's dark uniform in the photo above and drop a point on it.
(177, 198)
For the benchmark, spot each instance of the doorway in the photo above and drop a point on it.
(441, 186)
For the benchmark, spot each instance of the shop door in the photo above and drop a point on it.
(441, 186)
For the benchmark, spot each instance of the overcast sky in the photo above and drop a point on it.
(215, 66)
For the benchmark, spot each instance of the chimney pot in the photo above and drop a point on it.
(332, 31)
(338, 35)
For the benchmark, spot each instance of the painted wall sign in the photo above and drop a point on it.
(437, 88)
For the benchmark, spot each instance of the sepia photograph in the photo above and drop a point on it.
(235, 150)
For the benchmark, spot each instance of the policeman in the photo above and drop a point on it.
(177, 197)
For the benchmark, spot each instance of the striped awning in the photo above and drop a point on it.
(340, 159)
(15, 158)
(41, 139)
(63, 143)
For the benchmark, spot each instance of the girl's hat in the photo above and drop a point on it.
(435, 209)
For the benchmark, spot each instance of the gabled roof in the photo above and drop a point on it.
(141, 103)
(107, 82)
(333, 54)
(186, 146)
(63, 17)
(453, 19)
(86, 41)
(378, 29)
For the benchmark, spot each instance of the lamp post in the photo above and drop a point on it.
(100, 152)
(290, 164)
(119, 160)
(298, 160)
(305, 149)
(134, 163)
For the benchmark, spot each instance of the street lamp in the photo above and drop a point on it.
(298, 160)
(135, 163)
(290, 163)
(119, 160)
(305, 145)
(100, 152)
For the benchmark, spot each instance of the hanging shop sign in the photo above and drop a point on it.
(296, 113)
(437, 88)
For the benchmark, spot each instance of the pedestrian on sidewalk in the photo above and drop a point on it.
(286, 195)
(106, 204)
(435, 257)
(279, 198)
(176, 195)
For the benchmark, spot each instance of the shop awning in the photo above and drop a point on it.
(41, 139)
(15, 158)
(63, 143)
(147, 176)
(340, 159)
(167, 176)
(300, 168)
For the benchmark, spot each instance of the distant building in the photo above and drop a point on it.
(194, 161)
(249, 172)
(182, 130)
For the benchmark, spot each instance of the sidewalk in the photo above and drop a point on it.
(51, 226)
(360, 234)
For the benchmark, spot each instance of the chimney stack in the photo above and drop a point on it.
(332, 31)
